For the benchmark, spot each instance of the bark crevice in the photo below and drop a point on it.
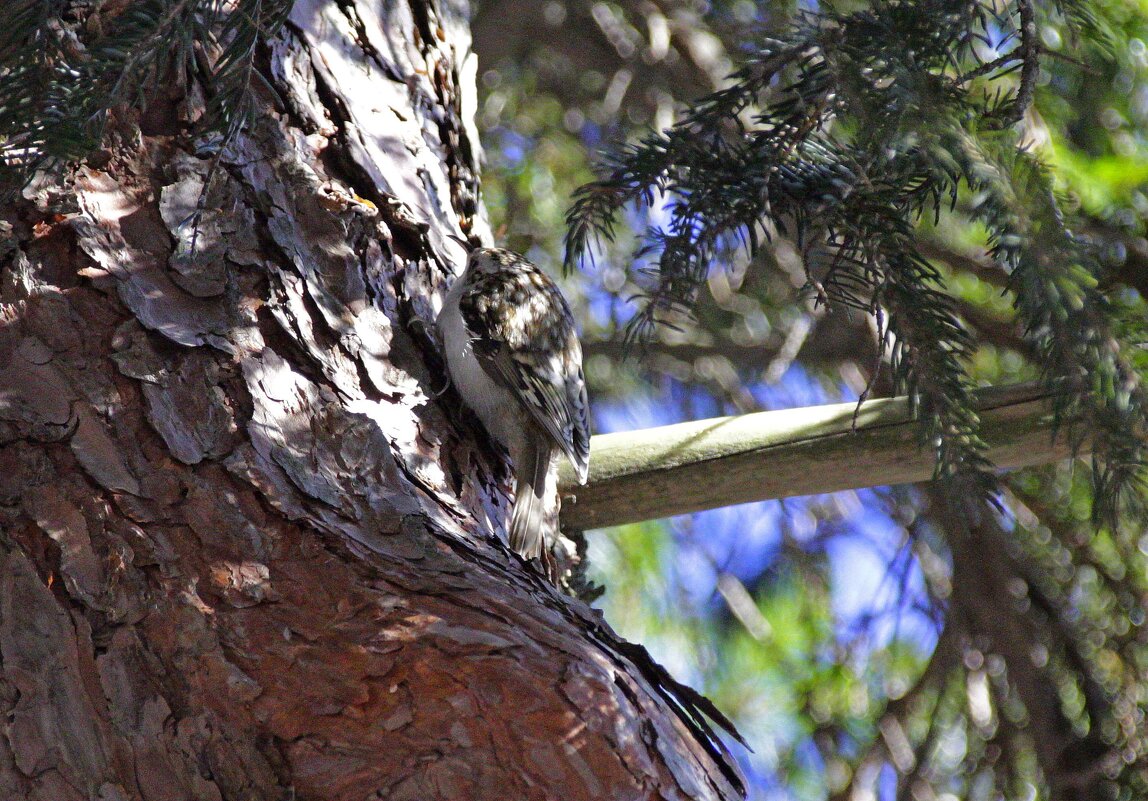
(245, 552)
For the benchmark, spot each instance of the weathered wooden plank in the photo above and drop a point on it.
(706, 464)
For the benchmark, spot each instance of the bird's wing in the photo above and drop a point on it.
(556, 401)
(535, 353)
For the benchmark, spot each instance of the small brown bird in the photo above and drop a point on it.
(514, 357)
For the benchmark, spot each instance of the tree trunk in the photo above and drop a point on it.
(246, 552)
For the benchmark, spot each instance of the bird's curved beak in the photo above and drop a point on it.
(465, 244)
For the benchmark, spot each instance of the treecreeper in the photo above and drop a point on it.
(513, 354)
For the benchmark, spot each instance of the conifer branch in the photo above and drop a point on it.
(843, 132)
(65, 66)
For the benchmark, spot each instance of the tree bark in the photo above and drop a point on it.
(247, 552)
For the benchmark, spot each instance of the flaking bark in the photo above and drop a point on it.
(245, 552)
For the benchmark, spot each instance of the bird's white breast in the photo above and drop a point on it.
(497, 408)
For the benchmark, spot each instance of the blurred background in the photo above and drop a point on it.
(866, 645)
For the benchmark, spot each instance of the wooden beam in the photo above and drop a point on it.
(706, 464)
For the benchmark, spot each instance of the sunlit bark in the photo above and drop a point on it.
(247, 551)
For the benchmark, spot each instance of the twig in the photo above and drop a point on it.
(1029, 49)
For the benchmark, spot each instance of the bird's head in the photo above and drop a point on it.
(488, 261)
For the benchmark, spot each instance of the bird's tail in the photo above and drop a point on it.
(535, 516)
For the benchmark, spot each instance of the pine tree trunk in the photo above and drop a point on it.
(246, 552)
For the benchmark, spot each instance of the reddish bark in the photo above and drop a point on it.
(246, 553)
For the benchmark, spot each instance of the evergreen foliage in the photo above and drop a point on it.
(65, 64)
(1017, 670)
(844, 133)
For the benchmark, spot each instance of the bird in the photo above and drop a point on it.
(513, 354)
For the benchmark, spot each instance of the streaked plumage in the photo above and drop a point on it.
(514, 357)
